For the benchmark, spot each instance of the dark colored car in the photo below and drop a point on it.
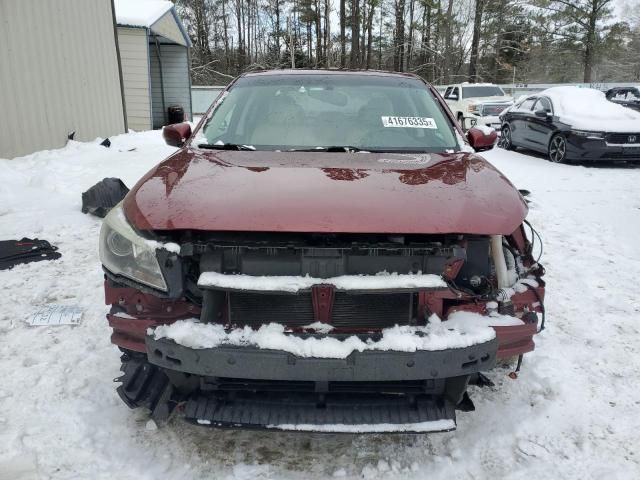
(625, 96)
(571, 124)
(325, 252)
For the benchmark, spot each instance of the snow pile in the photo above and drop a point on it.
(170, 246)
(319, 327)
(421, 427)
(589, 109)
(140, 13)
(293, 284)
(521, 286)
(463, 329)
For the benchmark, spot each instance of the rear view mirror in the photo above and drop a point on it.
(482, 139)
(176, 134)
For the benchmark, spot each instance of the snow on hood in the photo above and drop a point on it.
(589, 109)
(140, 13)
(461, 330)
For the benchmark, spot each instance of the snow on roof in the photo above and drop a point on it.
(140, 13)
(589, 109)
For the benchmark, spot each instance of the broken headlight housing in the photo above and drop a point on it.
(124, 252)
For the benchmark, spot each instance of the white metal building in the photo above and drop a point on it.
(154, 51)
(59, 74)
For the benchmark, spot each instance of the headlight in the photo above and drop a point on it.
(587, 134)
(124, 252)
(473, 107)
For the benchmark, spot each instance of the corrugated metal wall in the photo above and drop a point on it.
(135, 72)
(58, 73)
(175, 77)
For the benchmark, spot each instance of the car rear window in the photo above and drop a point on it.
(307, 111)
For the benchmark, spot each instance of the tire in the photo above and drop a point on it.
(558, 149)
(505, 138)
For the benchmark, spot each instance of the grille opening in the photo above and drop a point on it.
(350, 311)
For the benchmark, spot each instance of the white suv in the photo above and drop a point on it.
(477, 103)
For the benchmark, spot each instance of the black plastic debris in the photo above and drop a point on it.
(106, 143)
(103, 196)
(15, 252)
(71, 135)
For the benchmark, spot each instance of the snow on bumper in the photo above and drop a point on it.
(261, 364)
(464, 344)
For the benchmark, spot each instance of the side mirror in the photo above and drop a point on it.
(176, 134)
(542, 114)
(482, 139)
(453, 96)
(468, 123)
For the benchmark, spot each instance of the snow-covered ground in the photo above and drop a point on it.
(574, 411)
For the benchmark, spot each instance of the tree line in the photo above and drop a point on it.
(500, 41)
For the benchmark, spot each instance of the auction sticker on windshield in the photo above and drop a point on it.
(408, 122)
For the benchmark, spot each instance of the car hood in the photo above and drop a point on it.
(505, 99)
(325, 192)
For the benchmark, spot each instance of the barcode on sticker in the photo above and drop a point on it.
(408, 122)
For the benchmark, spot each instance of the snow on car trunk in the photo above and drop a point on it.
(570, 414)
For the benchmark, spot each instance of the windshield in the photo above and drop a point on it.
(482, 91)
(316, 111)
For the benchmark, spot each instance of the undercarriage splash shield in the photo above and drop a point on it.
(345, 414)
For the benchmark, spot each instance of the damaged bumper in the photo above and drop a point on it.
(367, 392)
(371, 366)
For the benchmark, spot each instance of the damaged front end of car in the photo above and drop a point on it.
(316, 332)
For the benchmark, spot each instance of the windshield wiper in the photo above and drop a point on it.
(334, 148)
(226, 146)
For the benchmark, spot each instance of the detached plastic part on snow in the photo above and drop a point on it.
(15, 252)
(103, 196)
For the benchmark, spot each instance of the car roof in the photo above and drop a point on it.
(329, 71)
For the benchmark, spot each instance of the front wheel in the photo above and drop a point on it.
(558, 149)
(505, 138)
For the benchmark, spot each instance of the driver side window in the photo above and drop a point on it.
(527, 104)
(543, 105)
